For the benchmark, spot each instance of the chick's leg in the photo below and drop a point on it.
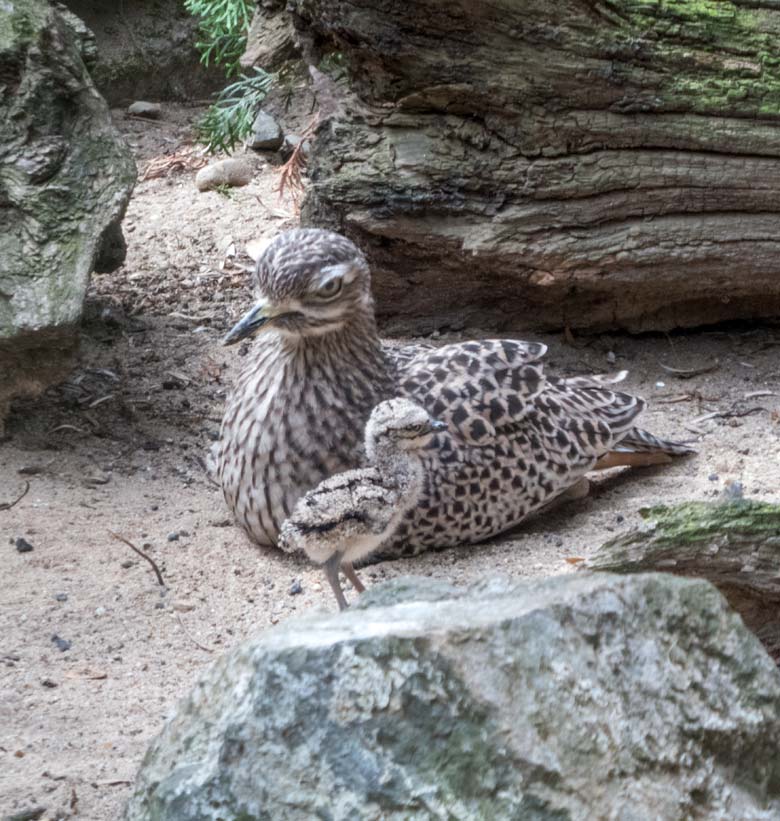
(350, 573)
(332, 573)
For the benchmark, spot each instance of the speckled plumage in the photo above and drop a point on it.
(349, 515)
(516, 437)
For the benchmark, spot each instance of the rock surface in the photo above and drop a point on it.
(65, 179)
(271, 38)
(146, 48)
(734, 545)
(266, 133)
(547, 164)
(575, 697)
(232, 172)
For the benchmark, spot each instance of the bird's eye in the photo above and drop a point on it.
(331, 289)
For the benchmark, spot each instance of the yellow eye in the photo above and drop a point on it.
(331, 289)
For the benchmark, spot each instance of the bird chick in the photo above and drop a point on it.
(348, 516)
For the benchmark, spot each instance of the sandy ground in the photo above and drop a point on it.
(120, 447)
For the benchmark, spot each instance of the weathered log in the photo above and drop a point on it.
(582, 163)
(734, 545)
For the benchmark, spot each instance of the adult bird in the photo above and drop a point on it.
(516, 438)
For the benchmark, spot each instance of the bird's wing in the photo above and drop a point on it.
(492, 388)
(476, 387)
(590, 414)
(344, 505)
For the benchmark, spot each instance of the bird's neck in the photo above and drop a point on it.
(405, 467)
(355, 345)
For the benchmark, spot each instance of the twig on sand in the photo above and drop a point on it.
(734, 413)
(9, 505)
(689, 373)
(191, 637)
(143, 555)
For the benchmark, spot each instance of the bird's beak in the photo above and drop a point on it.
(437, 425)
(251, 322)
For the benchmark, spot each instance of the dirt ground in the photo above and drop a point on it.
(92, 657)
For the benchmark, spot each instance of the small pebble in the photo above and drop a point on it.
(611, 357)
(183, 606)
(230, 172)
(141, 108)
(23, 546)
(127, 564)
(620, 518)
(173, 537)
(47, 682)
(61, 597)
(660, 384)
(61, 644)
(713, 477)
(295, 588)
(154, 507)
(100, 611)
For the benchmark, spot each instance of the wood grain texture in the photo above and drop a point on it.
(527, 164)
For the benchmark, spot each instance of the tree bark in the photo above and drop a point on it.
(532, 164)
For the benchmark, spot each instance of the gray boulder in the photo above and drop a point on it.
(146, 49)
(65, 179)
(578, 697)
(266, 133)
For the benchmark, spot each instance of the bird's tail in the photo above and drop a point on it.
(640, 441)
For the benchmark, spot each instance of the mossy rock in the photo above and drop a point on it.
(584, 696)
(65, 180)
(734, 544)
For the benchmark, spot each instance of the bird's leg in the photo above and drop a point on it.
(332, 573)
(615, 459)
(349, 572)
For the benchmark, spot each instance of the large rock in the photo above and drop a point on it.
(271, 37)
(146, 50)
(547, 164)
(567, 698)
(65, 179)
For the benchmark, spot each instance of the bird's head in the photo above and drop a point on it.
(310, 282)
(400, 425)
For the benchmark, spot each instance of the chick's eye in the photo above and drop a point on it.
(330, 289)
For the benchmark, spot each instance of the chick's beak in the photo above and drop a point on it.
(250, 323)
(437, 425)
